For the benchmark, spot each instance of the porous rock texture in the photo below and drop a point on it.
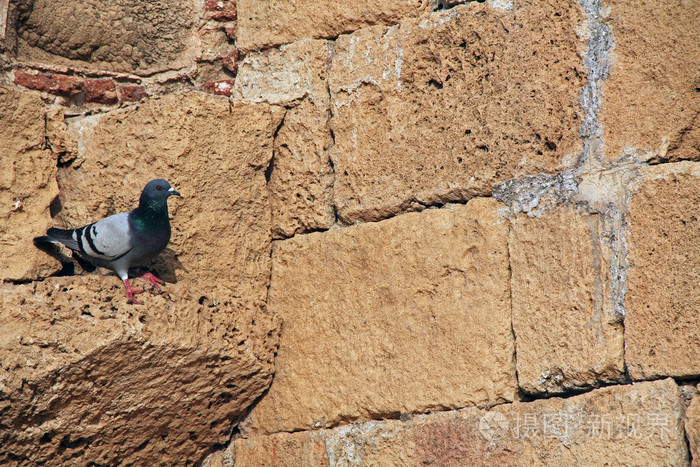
(121, 36)
(27, 185)
(446, 216)
(300, 179)
(625, 425)
(441, 108)
(270, 23)
(663, 298)
(84, 376)
(566, 336)
(651, 107)
(410, 314)
(692, 428)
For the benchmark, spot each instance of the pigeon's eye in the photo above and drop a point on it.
(159, 187)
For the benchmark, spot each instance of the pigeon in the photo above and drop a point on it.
(125, 240)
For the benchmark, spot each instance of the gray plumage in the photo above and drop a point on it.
(125, 240)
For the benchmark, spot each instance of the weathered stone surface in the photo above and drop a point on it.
(220, 10)
(208, 149)
(86, 377)
(126, 36)
(692, 428)
(54, 83)
(230, 62)
(637, 424)
(408, 315)
(286, 75)
(223, 87)
(27, 186)
(131, 92)
(4, 4)
(284, 449)
(651, 103)
(301, 179)
(58, 138)
(565, 336)
(662, 326)
(100, 90)
(442, 108)
(268, 24)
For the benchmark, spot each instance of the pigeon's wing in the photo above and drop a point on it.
(107, 240)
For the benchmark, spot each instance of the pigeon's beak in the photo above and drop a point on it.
(173, 192)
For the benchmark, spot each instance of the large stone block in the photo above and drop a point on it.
(662, 325)
(287, 75)
(84, 376)
(566, 336)
(408, 315)
(301, 177)
(651, 103)
(692, 428)
(27, 186)
(639, 424)
(204, 146)
(281, 450)
(442, 108)
(301, 180)
(124, 36)
(267, 24)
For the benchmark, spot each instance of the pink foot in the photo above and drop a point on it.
(153, 280)
(131, 292)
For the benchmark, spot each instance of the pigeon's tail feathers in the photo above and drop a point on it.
(44, 240)
(66, 237)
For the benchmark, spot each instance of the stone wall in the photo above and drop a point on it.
(412, 232)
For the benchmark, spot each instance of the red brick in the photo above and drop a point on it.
(100, 90)
(61, 85)
(220, 10)
(220, 88)
(131, 93)
(230, 62)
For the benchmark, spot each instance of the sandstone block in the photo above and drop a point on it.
(662, 325)
(651, 104)
(692, 428)
(127, 36)
(286, 75)
(637, 424)
(214, 43)
(27, 186)
(566, 337)
(85, 377)
(58, 138)
(267, 24)
(408, 315)
(282, 450)
(442, 108)
(301, 178)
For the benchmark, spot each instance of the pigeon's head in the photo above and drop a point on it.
(157, 191)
